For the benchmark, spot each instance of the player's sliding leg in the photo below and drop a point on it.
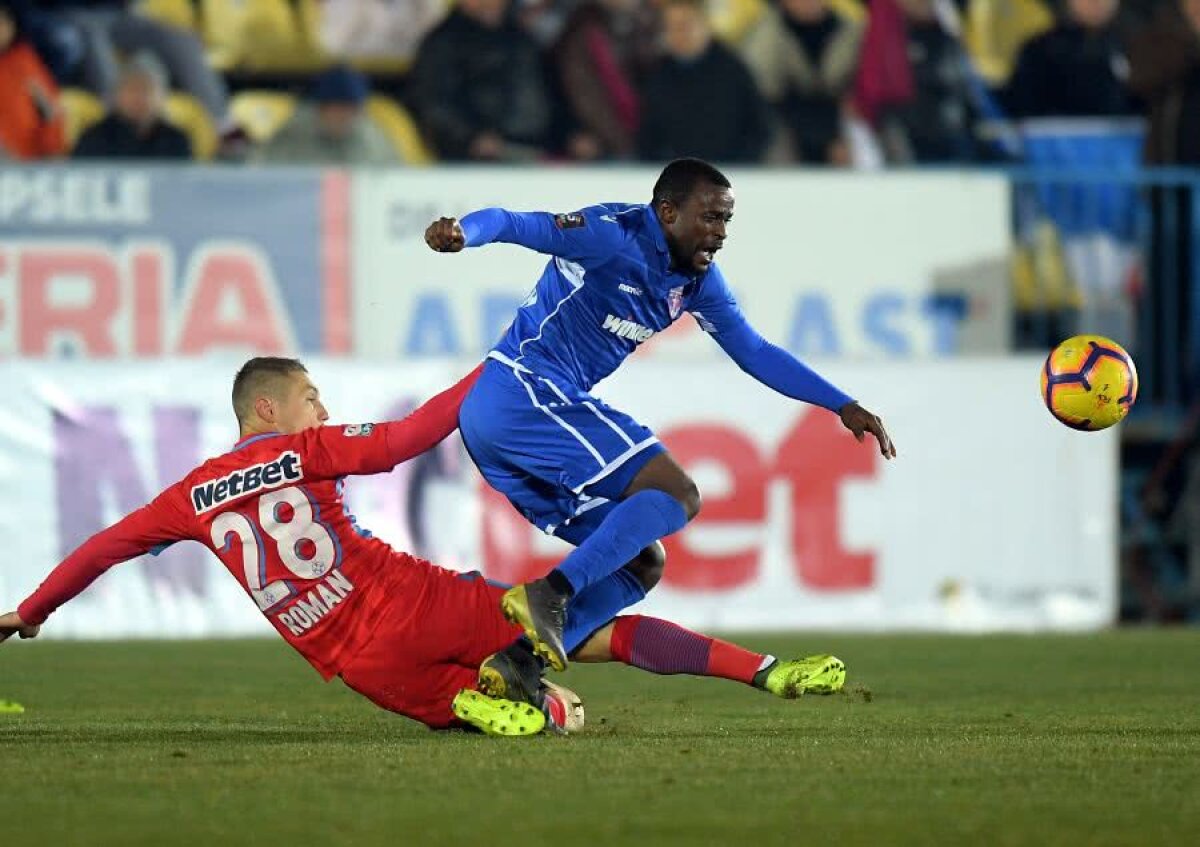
(661, 647)
(497, 716)
(659, 501)
(515, 672)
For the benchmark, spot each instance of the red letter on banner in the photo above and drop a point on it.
(745, 502)
(148, 263)
(223, 276)
(43, 312)
(815, 457)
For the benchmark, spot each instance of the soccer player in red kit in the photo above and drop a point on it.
(405, 633)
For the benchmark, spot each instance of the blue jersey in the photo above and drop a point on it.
(609, 287)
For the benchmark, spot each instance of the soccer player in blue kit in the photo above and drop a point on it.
(574, 466)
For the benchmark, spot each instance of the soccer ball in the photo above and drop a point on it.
(1089, 382)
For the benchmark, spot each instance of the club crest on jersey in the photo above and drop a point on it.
(675, 301)
(574, 220)
(355, 430)
(283, 470)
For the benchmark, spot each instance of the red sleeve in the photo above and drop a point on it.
(163, 521)
(334, 451)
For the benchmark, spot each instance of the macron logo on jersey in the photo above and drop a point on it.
(627, 329)
(282, 470)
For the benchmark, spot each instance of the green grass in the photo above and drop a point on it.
(998, 740)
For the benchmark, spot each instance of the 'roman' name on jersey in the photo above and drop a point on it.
(308, 610)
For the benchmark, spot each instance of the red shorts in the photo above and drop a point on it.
(419, 659)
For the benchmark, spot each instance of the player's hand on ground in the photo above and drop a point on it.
(11, 624)
(859, 421)
(445, 235)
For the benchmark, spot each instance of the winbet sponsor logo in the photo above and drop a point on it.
(622, 328)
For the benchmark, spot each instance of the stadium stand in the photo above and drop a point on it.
(400, 129)
(82, 109)
(186, 113)
(262, 113)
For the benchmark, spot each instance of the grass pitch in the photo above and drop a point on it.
(998, 740)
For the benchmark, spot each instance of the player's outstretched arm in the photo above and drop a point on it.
(11, 624)
(152, 527)
(718, 314)
(590, 234)
(334, 451)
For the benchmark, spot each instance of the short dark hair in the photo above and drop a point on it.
(679, 179)
(255, 377)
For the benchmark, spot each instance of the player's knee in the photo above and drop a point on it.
(689, 496)
(648, 566)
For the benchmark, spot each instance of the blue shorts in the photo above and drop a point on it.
(561, 457)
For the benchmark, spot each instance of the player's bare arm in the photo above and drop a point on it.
(445, 235)
(11, 624)
(860, 422)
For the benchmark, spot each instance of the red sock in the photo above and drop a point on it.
(662, 647)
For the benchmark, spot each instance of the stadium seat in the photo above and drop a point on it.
(995, 31)
(185, 112)
(400, 129)
(262, 113)
(179, 13)
(81, 109)
(310, 12)
(732, 19)
(851, 10)
(262, 35)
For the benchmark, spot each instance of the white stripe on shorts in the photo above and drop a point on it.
(578, 437)
(595, 411)
(616, 463)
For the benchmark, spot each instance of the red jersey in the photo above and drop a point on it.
(271, 510)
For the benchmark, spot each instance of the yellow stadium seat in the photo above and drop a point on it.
(81, 109)
(309, 18)
(185, 112)
(310, 12)
(401, 130)
(262, 113)
(732, 19)
(996, 30)
(851, 10)
(178, 13)
(256, 35)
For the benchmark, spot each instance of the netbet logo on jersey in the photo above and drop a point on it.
(283, 470)
(622, 328)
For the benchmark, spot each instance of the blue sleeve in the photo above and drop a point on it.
(718, 314)
(587, 235)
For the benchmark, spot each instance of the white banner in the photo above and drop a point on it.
(993, 516)
(877, 265)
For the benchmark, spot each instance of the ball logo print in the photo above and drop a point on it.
(1089, 382)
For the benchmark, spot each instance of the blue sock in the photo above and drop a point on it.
(600, 603)
(635, 523)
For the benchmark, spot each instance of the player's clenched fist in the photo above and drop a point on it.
(11, 624)
(445, 235)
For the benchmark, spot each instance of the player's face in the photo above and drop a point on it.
(300, 406)
(696, 228)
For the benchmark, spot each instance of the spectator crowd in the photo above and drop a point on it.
(817, 82)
